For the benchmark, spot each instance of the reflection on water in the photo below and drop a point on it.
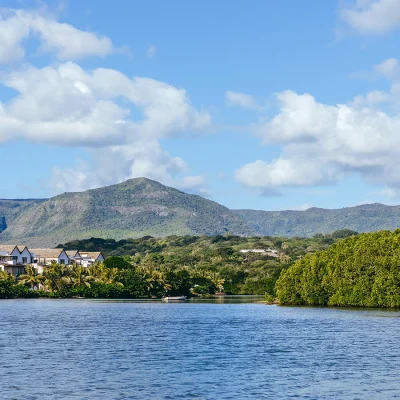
(225, 348)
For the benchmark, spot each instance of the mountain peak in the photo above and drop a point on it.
(134, 208)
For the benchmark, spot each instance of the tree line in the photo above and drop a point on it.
(360, 271)
(187, 265)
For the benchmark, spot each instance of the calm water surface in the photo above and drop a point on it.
(81, 349)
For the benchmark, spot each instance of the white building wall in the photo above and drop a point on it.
(63, 258)
(16, 253)
(25, 257)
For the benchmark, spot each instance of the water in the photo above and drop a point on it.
(81, 349)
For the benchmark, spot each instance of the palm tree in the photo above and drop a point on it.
(57, 277)
(101, 274)
(5, 276)
(31, 278)
(80, 277)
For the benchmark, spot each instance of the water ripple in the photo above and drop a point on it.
(52, 349)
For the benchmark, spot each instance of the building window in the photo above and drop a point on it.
(62, 261)
(24, 260)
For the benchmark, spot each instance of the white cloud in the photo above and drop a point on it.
(151, 51)
(389, 68)
(118, 119)
(118, 163)
(64, 40)
(323, 143)
(372, 98)
(241, 100)
(193, 181)
(372, 16)
(12, 32)
(68, 105)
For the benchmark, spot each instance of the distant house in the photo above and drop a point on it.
(72, 254)
(13, 258)
(48, 256)
(85, 259)
(267, 252)
(253, 251)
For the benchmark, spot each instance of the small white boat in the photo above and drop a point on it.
(174, 298)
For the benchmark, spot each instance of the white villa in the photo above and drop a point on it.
(87, 258)
(268, 252)
(13, 258)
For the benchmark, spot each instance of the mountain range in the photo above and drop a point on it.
(141, 206)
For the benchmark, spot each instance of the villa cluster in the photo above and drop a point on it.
(13, 258)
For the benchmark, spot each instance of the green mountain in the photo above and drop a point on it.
(140, 207)
(130, 209)
(363, 218)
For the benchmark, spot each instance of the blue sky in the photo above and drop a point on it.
(267, 105)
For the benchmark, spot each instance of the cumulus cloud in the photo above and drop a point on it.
(241, 100)
(70, 106)
(67, 105)
(119, 163)
(62, 39)
(119, 120)
(372, 98)
(372, 16)
(323, 143)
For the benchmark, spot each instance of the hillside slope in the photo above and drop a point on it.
(363, 218)
(11, 209)
(133, 208)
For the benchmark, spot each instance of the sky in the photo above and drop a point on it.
(265, 104)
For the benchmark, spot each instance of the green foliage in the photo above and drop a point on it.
(343, 233)
(198, 264)
(176, 265)
(362, 271)
(10, 290)
(100, 290)
(116, 262)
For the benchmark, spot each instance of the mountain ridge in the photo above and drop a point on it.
(306, 223)
(141, 206)
(133, 208)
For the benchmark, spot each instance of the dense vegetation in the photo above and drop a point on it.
(188, 265)
(340, 269)
(218, 257)
(362, 270)
(95, 281)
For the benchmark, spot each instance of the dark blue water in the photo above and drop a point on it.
(78, 349)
